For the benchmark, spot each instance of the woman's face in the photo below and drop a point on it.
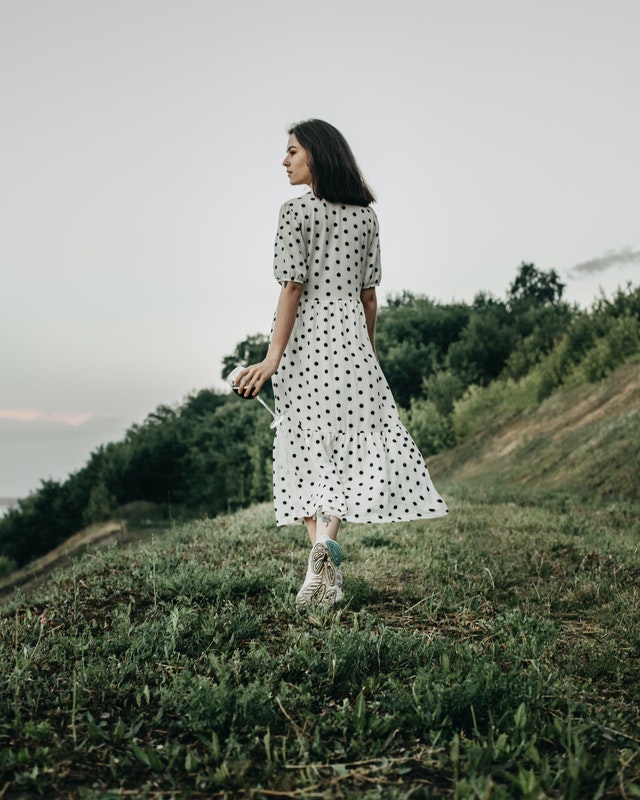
(296, 163)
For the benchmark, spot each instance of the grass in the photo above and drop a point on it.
(493, 654)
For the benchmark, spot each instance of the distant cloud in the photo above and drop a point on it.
(51, 428)
(609, 259)
(34, 415)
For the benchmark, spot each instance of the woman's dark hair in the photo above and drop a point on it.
(334, 170)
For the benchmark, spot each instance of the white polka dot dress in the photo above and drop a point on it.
(341, 446)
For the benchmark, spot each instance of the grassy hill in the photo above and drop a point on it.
(493, 654)
(97, 535)
(583, 441)
(490, 654)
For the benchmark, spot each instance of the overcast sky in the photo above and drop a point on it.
(141, 177)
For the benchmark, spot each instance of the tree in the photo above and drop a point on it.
(533, 287)
(442, 389)
(484, 345)
(413, 337)
(100, 505)
(229, 458)
(540, 317)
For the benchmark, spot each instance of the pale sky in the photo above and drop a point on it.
(141, 177)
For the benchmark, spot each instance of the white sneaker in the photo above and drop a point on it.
(323, 583)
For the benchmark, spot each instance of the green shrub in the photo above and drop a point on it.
(621, 341)
(7, 566)
(483, 406)
(431, 430)
(100, 505)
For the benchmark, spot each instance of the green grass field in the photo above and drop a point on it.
(494, 654)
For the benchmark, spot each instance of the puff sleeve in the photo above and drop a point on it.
(290, 255)
(372, 270)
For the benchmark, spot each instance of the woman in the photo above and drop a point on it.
(341, 452)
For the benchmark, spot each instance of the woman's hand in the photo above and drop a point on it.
(252, 379)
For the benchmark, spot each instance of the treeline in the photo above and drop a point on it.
(512, 354)
(450, 367)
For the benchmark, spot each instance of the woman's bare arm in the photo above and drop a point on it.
(370, 304)
(254, 376)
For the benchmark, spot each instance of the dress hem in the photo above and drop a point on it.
(370, 521)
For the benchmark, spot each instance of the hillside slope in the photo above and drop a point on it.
(585, 440)
(96, 535)
(490, 653)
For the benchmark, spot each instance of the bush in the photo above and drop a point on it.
(443, 388)
(431, 430)
(482, 406)
(621, 341)
(100, 505)
(7, 566)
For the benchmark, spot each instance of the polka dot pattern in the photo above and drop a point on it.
(341, 446)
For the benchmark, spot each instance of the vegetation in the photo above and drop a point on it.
(454, 369)
(583, 441)
(491, 654)
(207, 457)
(594, 344)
